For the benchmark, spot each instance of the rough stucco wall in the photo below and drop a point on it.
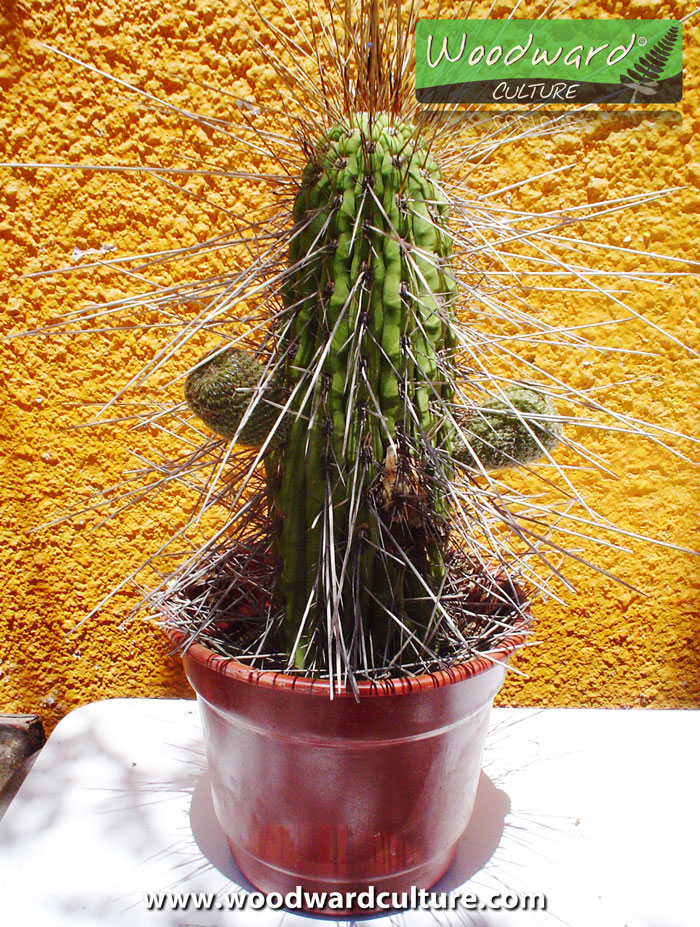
(609, 647)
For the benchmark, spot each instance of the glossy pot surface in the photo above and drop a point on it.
(340, 794)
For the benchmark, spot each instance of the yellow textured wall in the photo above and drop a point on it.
(610, 647)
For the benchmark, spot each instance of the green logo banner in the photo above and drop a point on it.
(536, 61)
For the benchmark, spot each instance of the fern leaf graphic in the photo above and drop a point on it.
(650, 66)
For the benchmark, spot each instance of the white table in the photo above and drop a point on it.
(597, 810)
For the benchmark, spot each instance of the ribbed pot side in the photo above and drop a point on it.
(340, 794)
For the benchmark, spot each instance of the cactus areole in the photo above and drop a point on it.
(355, 411)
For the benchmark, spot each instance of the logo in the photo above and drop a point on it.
(537, 61)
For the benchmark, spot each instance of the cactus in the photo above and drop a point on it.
(228, 391)
(358, 417)
(391, 360)
(369, 334)
(509, 432)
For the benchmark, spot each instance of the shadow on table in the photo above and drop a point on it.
(84, 765)
(475, 849)
(482, 837)
(209, 836)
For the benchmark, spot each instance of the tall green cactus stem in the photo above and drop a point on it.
(369, 345)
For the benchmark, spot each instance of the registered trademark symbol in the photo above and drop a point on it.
(642, 40)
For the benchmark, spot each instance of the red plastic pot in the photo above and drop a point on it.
(339, 795)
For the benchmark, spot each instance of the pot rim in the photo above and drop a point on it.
(402, 685)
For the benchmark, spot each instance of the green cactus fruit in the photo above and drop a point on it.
(368, 343)
(509, 432)
(231, 386)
